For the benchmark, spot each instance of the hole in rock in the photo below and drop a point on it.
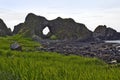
(46, 30)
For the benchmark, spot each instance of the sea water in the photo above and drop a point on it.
(113, 41)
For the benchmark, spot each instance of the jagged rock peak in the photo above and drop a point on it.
(2, 24)
(4, 31)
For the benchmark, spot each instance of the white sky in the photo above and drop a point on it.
(89, 12)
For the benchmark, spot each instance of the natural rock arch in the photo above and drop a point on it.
(46, 35)
(46, 30)
(62, 29)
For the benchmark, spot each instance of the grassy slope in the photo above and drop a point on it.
(36, 65)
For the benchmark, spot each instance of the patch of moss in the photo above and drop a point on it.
(53, 37)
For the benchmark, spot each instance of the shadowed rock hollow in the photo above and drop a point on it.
(63, 29)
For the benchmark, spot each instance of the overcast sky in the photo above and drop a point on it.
(90, 12)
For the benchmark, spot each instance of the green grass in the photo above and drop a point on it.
(26, 43)
(36, 65)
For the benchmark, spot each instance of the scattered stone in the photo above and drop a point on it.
(105, 51)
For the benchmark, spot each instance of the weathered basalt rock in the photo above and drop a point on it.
(104, 33)
(4, 31)
(61, 28)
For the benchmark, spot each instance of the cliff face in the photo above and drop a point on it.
(4, 31)
(104, 33)
(60, 28)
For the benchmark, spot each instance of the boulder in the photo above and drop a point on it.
(16, 46)
(60, 28)
(4, 31)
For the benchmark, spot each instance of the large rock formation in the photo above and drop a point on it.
(69, 29)
(4, 31)
(60, 28)
(104, 33)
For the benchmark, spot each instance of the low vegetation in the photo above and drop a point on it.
(53, 37)
(37, 65)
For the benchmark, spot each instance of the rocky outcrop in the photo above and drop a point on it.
(64, 29)
(4, 31)
(104, 33)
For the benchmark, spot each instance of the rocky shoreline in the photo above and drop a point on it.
(105, 51)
